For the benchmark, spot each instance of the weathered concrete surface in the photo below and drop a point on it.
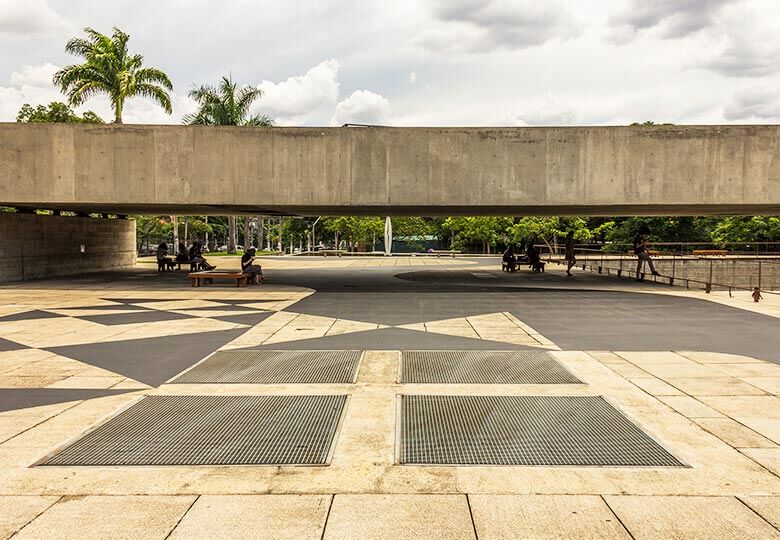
(425, 171)
(34, 246)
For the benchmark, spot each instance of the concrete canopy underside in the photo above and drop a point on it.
(672, 170)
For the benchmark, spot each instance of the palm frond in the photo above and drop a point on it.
(153, 75)
(155, 93)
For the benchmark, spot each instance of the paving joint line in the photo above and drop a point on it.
(187, 511)
(37, 516)
(756, 513)
(471, 516)
(628, 532)
(327, 516)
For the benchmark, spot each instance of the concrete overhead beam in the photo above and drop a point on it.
(663, 170)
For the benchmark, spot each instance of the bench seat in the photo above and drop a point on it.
(205, 278)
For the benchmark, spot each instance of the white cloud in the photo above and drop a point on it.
(548, 113)
(304, 97)
(755, 103)
(25, 17)
(749, 47)
(480, 26)
(412, 77)
(670, 18)
(362, 107)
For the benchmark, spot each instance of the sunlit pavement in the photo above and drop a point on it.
(697, 374)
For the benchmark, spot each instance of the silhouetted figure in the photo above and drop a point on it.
(509, 260)
(640, 250)
(255, 271)
(756, 294)
(182, 255)
(534, 260)
(571, 260)
(163, 261)
(196, 257)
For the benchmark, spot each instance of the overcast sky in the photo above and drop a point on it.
(426, 62)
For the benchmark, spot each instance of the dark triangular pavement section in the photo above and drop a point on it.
(108, 307)
(395, 339)
(153, 360)
(8, 345)
(247, 318)
(30, 315)
(144, 316)
(12, 399)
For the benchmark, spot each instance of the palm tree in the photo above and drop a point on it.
(110, 69)
(227, 104)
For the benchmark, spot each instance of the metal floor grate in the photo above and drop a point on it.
(483, 367)
(523, 430)
(275, 367)
(212, 430)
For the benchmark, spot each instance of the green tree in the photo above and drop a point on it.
(110, 69)
(226, 105)
(747, 229)
(482, 231)
(55, 112)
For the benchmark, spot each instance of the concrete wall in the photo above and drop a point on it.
(34, 246)
(423, 171)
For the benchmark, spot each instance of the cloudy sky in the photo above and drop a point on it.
(426, 62)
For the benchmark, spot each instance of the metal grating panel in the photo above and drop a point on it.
(523, 430)
(275, 367)
(212, 430)
(483, 367)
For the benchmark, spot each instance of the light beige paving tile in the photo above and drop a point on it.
(544, 516)
(645, 358)
(606, 357)
(132, 517)
(655, 387)
(763, 369)
(767, 507)
(78, 381)
(704, 357)
(749, 406)
(342, 326)
(399, 516)
(733, 433)
(30, 381)
(672, 371)
(768, 457)
(768, 427)
(253, 516)
(689, 517)
(690, 407)
(18, 511)
(767, 384)
(719, 386)
(628, 370)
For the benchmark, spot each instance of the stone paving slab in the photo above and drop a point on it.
(689, 517)
(255, 516)
(544, 517)
(131, 518)
(365, 517)
(18, 511)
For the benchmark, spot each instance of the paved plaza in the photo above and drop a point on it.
(387, 398)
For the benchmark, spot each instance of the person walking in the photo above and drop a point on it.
(571, 260)
(640, 250)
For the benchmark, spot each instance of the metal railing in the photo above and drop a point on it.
(624, 265)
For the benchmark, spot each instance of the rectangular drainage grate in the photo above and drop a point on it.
(483, 367)
(523, 430)
(212, 430)
(275, 367)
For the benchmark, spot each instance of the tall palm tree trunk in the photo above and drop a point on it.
(232, 234)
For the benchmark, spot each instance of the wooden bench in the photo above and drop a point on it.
(205, 278)
(440, 252)
(651, 252)
(711, 252)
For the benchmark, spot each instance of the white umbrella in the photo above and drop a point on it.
(388, 237)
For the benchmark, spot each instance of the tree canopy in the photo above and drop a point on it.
(55, 112)
(110, 69)
(226, 104)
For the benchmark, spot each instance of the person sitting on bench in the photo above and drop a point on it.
(182, 256)
(196, 257)
(163, 261)
(255, 271)
(534, 259)
(509, 260)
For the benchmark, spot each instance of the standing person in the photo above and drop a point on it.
(756, 294)
(248, 266)
(571, 260)
(640, 250)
